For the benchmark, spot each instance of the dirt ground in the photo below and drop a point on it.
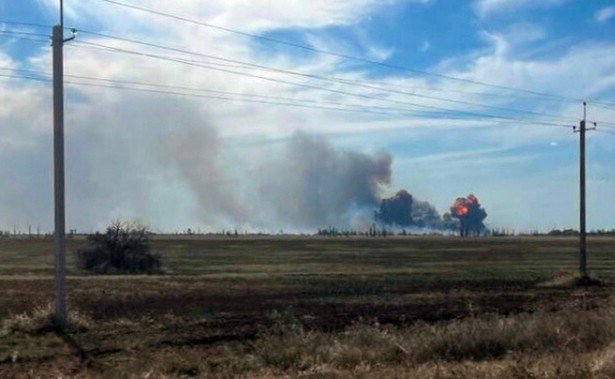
(131, 321)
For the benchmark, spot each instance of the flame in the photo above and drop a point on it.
(462, 211)
(462, 205)
(470, 215)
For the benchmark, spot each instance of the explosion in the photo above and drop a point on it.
(470, 214)
(396, 210)
(403, 210)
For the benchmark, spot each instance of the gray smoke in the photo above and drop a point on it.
(307, 184)
(313, 184)
(197, 155)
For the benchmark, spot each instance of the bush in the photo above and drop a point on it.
(122, 249)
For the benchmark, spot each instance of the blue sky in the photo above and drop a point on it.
(525, 173)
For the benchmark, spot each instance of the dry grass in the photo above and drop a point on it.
(566, 344)
(203, 319)
(570, 343)
(566, 279)
(41, 320)
(473, 339)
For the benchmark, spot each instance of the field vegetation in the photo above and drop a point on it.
(268, 307)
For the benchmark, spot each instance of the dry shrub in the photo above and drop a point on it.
(41, 320)
(123, 249)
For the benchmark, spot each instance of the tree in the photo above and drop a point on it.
(123, 249)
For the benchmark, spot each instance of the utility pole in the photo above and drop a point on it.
(582, 209)
(58, 168)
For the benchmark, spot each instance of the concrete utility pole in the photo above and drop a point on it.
(582, 210)
(58, 167)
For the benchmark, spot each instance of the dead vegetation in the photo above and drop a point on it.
(40, 320)
(572, 343)
(433, 313)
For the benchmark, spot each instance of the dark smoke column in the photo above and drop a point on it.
(396, 210)
(470, 215)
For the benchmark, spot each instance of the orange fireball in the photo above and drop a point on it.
(462, 205)
(462, 211)
(470, 215)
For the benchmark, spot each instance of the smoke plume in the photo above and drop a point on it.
(314, 184)
(403, 210)
(396, 210)
(197, 155)
(308, 184)
(470, 214)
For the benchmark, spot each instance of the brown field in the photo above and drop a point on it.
(425, 307)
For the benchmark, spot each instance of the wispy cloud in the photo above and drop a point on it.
(255, 15)
(108, 128)
(486, 7)
(605, 14)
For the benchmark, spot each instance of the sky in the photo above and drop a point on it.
(268, 115)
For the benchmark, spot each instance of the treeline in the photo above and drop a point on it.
(378, 231)
(553, 233)
(7, 234)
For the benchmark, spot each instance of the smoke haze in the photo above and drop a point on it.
(314, 184)
(196, 155)
(306, 184)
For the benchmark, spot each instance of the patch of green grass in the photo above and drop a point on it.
(479, 259)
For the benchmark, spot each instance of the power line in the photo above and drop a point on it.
(460, 91)
(605, 106)
(199, 96)
(124, 82)
(375, 98)
(248, 100)
(181, 61)
(186, 88)
(229, 99)
(341, 79)
(29, 24)
(331, 53)
(26, 39)
(288, 101)
(280, 81)
(30, 37)
(359, 59)
(23, 33)
(241, 64)
(193, 89)
(329, 79)
(47, 80)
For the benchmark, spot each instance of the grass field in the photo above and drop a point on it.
(317, 307)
